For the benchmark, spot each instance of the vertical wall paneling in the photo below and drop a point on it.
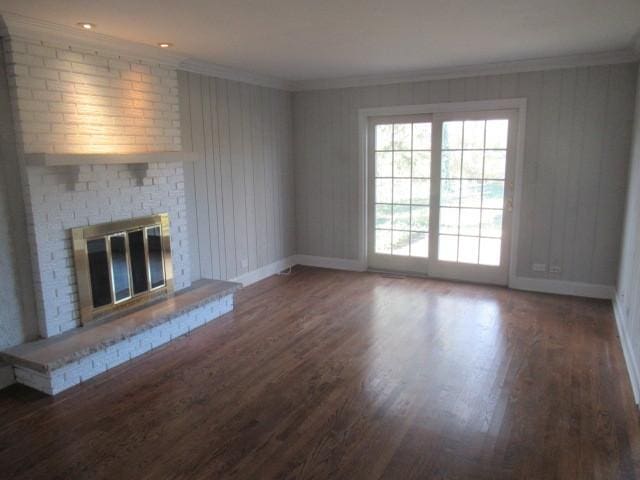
(241, 192)
(577, 133)
(613, 170)
(562, 170)
(627, 301)
(589, 172)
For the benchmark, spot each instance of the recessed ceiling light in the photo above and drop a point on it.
(87, 25)
(165, 45)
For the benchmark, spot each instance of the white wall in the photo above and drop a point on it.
(627, 301)
(17, 306)
(70, 99)
(240, 196)
(576, 157)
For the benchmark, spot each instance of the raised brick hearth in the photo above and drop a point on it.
(56, 364)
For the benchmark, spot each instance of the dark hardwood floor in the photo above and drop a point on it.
(339, 375)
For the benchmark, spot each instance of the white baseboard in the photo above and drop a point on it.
(266, 271)
(627, 349)
(562, 287)
(330, 262)
(543, 285)
(6, 375)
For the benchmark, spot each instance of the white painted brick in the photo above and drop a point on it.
(57, 64)
(46, 73)
(69, 55)
(72, 100)
(25, 59)
(41, 51)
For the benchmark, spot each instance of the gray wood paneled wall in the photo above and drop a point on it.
(240, 195)
(628, 294)
(575, 174)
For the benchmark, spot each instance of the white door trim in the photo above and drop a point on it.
(518, 104)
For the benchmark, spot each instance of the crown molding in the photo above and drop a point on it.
(214, 70)
(19, 26)
(518, 66)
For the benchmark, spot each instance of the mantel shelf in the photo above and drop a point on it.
(78, 159)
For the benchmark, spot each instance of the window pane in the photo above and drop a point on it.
(401, 241)
(451, 135)
(138, 262)
(448, 248)
(491, 223)
(471, 193)
(420, 192)
(493, 194)
(119, 266)
(468, 250)
(383, 216)
(451, 162)
(383, 137)
(495, 162)
(401, 217)
(383, 241)
(421, 164)
(402, 191)
(497, 133)
(490, 251)
(450, 193)
(383, 191)
(402, 136)
(472, 164)
(449, 220)
(420, 219)
(401, 164)
(156, 263)
(419, 244)
(470, 221)
(422, 136)
(384, 165)
(99, 272)
(474, 134)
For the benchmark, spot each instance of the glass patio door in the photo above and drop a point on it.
(401, 185)
(441, 189)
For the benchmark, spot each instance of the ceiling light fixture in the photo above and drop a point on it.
(87, 25)
(165, 45)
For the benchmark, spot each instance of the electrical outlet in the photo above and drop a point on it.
(244, 262)
(539, 267)
(555, 269)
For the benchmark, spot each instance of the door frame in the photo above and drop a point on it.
(364, 114)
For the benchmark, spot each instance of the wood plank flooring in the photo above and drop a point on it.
(339, 375)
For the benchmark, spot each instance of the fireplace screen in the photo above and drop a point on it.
(122, 262)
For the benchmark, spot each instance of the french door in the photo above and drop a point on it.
(440, 194)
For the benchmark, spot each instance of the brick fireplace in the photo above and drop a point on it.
(99, 141)
(67, 100)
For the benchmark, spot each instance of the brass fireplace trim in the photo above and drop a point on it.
(80, 237)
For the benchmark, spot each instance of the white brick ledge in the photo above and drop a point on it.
(74, 373)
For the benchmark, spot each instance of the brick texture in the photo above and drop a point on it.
(92, 365)
(70, 100)
(66, 99)
(100, 194)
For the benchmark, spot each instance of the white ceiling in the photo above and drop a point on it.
(300, 40)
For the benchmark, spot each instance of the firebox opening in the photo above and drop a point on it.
(122, 262)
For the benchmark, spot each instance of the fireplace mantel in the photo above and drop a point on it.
(79, 159)
(74, 163)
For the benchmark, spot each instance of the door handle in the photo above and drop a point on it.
(510, 205)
